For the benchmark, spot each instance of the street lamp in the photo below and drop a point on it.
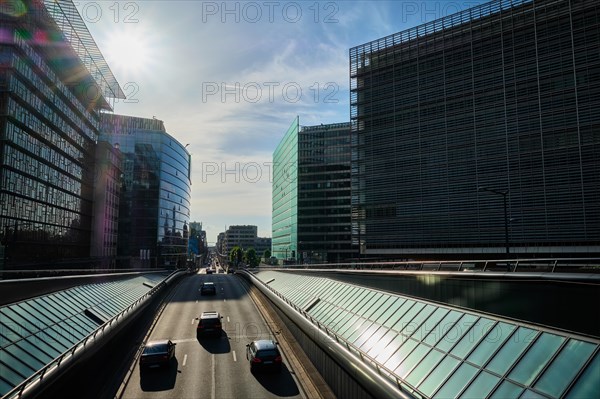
(503, 193)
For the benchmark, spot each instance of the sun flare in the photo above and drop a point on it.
(129, 52)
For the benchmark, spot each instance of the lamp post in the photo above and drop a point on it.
(503, 193)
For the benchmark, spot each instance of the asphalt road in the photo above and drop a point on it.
(209, 367)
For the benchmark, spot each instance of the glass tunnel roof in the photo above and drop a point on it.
(36, 331)
(438, 351)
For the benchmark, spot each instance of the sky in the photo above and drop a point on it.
(228, 78)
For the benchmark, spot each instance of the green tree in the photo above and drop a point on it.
(251, 258)
(236, 255)
(267, 255)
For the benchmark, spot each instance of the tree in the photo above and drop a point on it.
(266, 255)
(251, 258)
(236, 255)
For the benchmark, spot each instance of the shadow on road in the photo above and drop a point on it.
(160, 378)
(278, 383)
(215, 344)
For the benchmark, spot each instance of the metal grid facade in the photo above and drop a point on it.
(324, 194)
(505, 96)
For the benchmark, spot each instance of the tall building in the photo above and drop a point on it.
(243, 236)
(477, 134)
(107, 190)
(324, 214)
(156, 191)
(49, 121)
(284, 223)
(311, 194)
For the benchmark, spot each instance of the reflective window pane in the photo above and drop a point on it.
(507, 390)
(424, 367)
(481, 386)
(472, 337)
(461, 377)
(438, 375)
(586, 385)
(565, 367)
(511, 351)
(492, 341)
(536, 358)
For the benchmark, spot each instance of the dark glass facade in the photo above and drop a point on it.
(324, 194)
(48, 130)
(448, 116)
(155, 198)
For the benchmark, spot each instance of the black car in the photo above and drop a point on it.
(209, 323)
(208, 288)
(263, 354)
(157, 353)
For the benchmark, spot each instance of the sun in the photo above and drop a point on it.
(128, 51)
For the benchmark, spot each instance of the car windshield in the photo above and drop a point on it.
(154, 349)
(210, 322)
(266, 353)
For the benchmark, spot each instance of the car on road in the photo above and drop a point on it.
(208, 288)
(209, 270)
(209, 323)
(263, 354)
(157, 353)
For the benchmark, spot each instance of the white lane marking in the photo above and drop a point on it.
(184, 359)
(227, 319)
(193, 321)
(179, 341)
(224, 300)
(213, 393)
(234, 358)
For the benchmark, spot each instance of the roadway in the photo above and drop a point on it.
(209, 367)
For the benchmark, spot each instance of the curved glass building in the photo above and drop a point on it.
(156, 191)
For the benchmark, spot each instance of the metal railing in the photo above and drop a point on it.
(542, 265)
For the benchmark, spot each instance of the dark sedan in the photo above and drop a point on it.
(263, 354)
(157, 353)
(208, 289)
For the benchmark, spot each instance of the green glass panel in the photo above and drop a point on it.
(416, 322)
(360, 330)
(319, 308)
(366, 302)
(429, 324)
(442, 327)
(536, 358)
(472, 337)
(391, 311)
(438, 375)
(4, 386)
(396, 351)
(367, 335)
(45, 310)
(511, 350)
(351, 326)
(461, 378)
(28, 347)
(380, 313)
(586, 385)
(378, 349)
(404, 367)
(565, 367)
(357, 300)
(408, 316)
(528, 394)
(507, 390)
(492, 341)
(377, 304)
(36, 312)
(456, 332)
(15, 363)
(340, 323)
(481, 386)
(424, 367)
(11, 376)
(32, 362)
(397, 315)
(388, 347)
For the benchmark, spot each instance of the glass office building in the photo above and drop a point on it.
(285, 195)
(478, 134)
(53, 83)
(154, 209)
(324, 194)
